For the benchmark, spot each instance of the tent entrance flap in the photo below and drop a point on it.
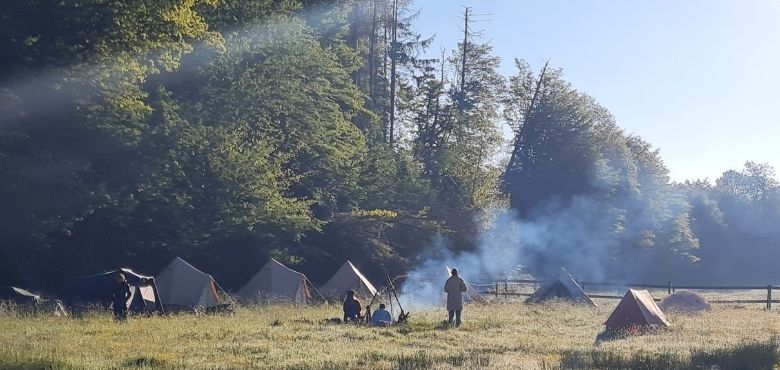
(348, 277)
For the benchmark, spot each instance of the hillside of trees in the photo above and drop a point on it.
(230, 131)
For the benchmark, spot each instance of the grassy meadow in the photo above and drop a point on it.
(504, 334)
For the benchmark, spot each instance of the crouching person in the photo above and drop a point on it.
(381, 317)
(352, 308)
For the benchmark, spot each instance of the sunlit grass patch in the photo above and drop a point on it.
(505, 334)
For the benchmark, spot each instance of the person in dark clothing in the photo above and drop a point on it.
(454, 287)
(352, 307)
(119, 297)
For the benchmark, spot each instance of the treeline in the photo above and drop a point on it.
(230, 131)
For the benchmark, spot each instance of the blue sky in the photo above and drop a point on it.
(699, 79)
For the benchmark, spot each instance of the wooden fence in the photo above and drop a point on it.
(502, 288)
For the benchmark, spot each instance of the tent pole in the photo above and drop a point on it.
(223, 291)
(390, 281)
(157, 302)
(315, 289)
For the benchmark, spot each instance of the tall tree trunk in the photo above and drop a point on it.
(439, 92)
(465, 44)
(393, 51)
(384, 68)
(372, 57)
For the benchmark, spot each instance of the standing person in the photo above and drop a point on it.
(352, 307)
(454, 287)
(119, 297)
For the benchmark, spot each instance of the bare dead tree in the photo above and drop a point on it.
(466, 13)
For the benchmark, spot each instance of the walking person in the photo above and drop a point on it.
(454, 287)
(119, 297)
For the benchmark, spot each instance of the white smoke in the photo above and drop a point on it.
(576, 236)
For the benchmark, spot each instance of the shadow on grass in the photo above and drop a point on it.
(144, 362)
(758, 356)
(610, 335)
(22, 363)
(424, 360)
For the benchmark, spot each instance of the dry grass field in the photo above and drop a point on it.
(504, 334)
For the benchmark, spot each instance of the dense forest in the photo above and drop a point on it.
(230, 131)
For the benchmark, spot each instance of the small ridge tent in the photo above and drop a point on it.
(98, 288)
(637, 308)
(563, 287)
(19, 296)
(348, 277)
(181, 284)
(471, 294)
(30, 302)
(277, 281)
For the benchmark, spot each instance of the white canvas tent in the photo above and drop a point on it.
(277, 281)
(348, 277)
(471, 294)
(564, 287)
(181, 284)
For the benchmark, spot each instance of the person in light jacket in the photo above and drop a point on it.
(454, 287)
(381, 317)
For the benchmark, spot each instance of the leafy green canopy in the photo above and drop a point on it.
(570, 154)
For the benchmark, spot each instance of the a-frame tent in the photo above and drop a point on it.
(276, 281)
(27, 301)
(637, 308)
(19, 296)
(348, 277)
(564, 287)
(181, 284)
(472, 295)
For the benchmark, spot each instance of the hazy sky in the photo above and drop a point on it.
(699, 79)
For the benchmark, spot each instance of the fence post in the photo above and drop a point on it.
(506, 288)
(496, 291)
(669, 288)
(769, 297)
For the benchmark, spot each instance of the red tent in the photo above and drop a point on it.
(637, 308)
